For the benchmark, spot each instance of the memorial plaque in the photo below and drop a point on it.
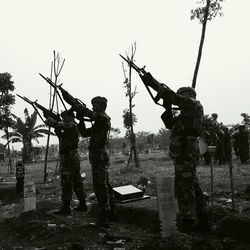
(166, 205)
(127, 192)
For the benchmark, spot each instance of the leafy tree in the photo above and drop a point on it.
(25, 132)
(204, 13)
(6, 102)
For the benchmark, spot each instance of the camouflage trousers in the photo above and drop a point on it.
(185, 154)
(70, 176)
(191, 203)
(99, 161)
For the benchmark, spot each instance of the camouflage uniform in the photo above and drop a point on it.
(243, 144)
(227, 145)
(68, 135)
(99, 160)
(220, 150)
(184, 150)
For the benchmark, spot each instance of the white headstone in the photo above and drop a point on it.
(166, 205)
(29, 194)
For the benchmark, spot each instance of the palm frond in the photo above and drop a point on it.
(20, 126)
(43, 131)
(14, 116)
(32, 121)
(12, 134)
(40, 126)
(26, 114)
(15, 139)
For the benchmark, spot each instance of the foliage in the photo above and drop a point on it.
(246, 119)
(214, 10)
(208, 12)
(6, 100)
(163, 138)
(128, 119)
(26, 131)
(114, 132)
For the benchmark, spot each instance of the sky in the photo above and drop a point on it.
(90, 35)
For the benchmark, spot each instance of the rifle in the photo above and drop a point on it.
(75, 103)
(148, 80)
(46, 112)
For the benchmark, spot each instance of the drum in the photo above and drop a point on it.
(202, 146)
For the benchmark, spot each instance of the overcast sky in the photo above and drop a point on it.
(91, 34)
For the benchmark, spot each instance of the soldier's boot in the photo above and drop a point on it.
(203, 225)
(112, 213)
(103, 220)
(82, 206)
(186, 225)
(65, 209)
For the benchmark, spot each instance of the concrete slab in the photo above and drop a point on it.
(140, 212)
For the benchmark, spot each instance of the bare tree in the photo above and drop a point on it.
(129, 119)
(56, 68)
(208, 12)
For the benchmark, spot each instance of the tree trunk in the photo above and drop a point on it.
(46, 158)
(10, 169)
(133, 149)
(204, 24)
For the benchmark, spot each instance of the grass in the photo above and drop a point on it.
(153, 164)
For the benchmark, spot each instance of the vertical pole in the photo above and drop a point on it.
(231, 182)
(212, 149)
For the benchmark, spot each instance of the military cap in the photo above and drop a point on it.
(186, 89)
(69, 113)
(99, 99)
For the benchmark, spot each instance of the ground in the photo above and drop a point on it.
(41, 229)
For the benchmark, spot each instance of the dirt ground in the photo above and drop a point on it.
(41, 229)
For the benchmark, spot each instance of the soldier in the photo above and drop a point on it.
(243, 144)
(220, 150)
(183, 149)
(99, 158)
(68, 135)
(227, 144)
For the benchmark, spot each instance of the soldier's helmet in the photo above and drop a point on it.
(69, 113)
(186, 89)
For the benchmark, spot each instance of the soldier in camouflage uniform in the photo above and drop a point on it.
(68, 135)
(243, 144)
(227, 144)
(99, 158)
(185, 128)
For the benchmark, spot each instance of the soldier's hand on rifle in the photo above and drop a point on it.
(166, 104)
(49, 121)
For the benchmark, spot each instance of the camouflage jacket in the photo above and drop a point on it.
(189, 121)
(98, 133)
(67, 133)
